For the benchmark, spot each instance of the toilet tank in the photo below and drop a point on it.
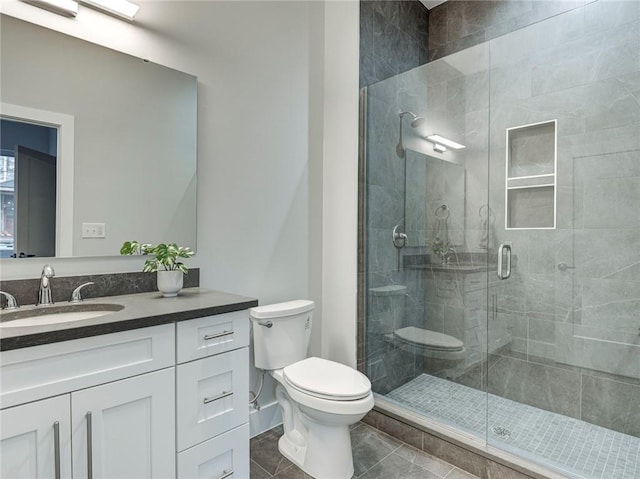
(281, 333)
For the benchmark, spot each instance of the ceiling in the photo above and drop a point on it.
(431, 3)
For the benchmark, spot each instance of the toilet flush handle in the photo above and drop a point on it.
(266, 324)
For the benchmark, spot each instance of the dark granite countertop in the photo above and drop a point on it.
(140, 310)
(463, 268)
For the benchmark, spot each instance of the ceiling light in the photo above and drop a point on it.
(441, 140)
(122, 8)
(62, 7)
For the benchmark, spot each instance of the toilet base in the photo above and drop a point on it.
(325, 455)
(292, 452)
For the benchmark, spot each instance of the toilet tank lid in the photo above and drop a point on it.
(290, 308)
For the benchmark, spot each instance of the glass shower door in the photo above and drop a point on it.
(425, 324)
(564, 389)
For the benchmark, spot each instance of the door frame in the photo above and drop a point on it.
(65, 125)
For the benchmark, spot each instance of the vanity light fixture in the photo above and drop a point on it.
(67, 8)
(121, 8)
(440, 143)
(439, 148)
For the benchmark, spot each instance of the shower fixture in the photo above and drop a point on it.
(440, 143)
(415, 123)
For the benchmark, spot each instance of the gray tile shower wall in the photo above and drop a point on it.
(26, 290)
(459, 24)
(393, 38)
(574, 332)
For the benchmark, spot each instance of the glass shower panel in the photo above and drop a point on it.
(564, 390)
(427, 218)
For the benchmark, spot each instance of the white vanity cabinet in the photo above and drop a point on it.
(212, 396)
(124, 428)
(35, 439)
(157, 402)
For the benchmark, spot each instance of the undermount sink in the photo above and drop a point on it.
(43, 315)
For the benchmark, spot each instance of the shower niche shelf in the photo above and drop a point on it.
(531, 166)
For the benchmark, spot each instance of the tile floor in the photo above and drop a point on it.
(375, 456)
(572, 446)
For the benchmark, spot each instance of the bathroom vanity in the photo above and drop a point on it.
(158, 389)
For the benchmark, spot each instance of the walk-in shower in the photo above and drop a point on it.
(539, 358)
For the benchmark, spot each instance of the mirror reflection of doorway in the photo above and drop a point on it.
(27, 189)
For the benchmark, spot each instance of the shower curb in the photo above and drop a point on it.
(463, 451)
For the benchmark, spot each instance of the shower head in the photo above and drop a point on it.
(416, 120)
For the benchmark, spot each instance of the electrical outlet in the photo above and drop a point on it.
(93, 230)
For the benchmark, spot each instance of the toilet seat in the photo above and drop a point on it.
(326, 379)
(428, 339)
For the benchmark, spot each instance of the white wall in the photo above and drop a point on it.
(277, 148)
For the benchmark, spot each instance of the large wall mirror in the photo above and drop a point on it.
(109, 138)
(434, 200)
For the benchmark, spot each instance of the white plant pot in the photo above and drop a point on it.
(170, 282)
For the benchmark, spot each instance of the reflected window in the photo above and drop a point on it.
(7, 204)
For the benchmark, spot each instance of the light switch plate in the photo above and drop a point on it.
(93, 230)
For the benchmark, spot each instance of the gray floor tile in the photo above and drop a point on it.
(370, 447)
(291, 472)
(376, 456)
(394, 466)
(266, 454)
(257, 472)
(457, 474)
(424, 460)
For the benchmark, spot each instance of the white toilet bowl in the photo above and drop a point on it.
(440, 351)
(319, 399)
(316, 419)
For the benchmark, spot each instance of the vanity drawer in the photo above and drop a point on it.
(198, 338)
(212, 396)
(224, 456)
(42, 371)
(475, 282)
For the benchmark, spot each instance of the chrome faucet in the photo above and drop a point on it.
(450, 252)
(11, 301)
(76, 296)
(44, 294)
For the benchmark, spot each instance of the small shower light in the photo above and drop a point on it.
(121, 8)
(442, 141)
(439, 148)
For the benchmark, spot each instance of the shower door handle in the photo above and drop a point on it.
(504, 261)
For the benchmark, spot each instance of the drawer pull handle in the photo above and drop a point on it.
(226, 473)
(217, 398)
(218, 335)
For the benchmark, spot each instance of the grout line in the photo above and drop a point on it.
(265, 471)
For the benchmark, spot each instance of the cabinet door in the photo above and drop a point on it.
(125, 429)
(225, 456)
(35, 440)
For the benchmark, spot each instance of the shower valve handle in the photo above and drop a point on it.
(565, 266)
(399, 238)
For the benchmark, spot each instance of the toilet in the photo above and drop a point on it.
(319, 399)
(440, 350)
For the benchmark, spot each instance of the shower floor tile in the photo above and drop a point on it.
(575, 447)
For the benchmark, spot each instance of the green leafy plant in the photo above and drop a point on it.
(166, 256)
(438, 246)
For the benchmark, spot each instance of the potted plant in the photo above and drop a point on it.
(165, 262)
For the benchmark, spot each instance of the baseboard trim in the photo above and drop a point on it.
(268, 417)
